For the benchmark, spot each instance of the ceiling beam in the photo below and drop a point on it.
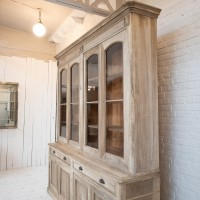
(93, 8)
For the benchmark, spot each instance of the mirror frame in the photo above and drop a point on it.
(16, 107)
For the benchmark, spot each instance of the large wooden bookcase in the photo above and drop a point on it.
(107, 129)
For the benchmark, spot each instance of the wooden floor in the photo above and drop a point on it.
(24, 184)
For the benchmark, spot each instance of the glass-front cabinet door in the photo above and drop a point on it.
(91, 104)
(69, 92)
(92, 101)
(74, 102)
(114, 100)
(92, 116)
(63, 103)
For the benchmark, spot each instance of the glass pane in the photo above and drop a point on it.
(114, 72)
(115, 142)
(63, 120)
(74, 103)
(63, 95)
(92, 101)
(74, 83)
(74, 133)
(74, 113)
(92, 137)
(92, 114)
(63, 86)
(92, 78)
(92, 129)
(114, 100)
(114, 113)
(8, 105)
(114, 128)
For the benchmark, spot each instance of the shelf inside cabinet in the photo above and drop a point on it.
(114, 76)
(113, 101)
(95, 79)
(75, 123)
(92, 102)
(115, 128)
(74, 104)
(95, 126)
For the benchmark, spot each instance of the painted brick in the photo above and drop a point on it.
(179, 100)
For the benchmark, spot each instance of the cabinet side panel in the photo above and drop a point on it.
(139, 188)
(144, 92)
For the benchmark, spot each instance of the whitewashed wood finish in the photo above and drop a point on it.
(26, 145)
(144, 103)
(81, 188)
(92, 151)
(70, 64)
(64, 181)
(135, 175)
(120, 37)
(58, 100)
(53, 174)
(119, 185)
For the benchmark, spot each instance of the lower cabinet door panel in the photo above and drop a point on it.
(64, 182)
(81, 189)
(53, 174)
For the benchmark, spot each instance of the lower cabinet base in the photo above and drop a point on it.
(72, 178)
(52, 194)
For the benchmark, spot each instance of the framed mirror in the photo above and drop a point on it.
(8, 105)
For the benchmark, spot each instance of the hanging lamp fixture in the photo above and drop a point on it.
(39, 29)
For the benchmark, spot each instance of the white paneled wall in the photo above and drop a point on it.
(26, 146)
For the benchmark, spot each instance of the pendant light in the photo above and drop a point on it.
(39, 29)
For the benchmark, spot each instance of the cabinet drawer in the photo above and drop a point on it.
(60, 156)
(97, 177)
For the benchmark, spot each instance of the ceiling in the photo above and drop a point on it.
(23, 14)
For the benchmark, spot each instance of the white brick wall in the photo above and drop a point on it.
(179, 100)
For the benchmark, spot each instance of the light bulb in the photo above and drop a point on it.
(39, 29)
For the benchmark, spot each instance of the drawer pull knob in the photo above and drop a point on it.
(54, 152)
(64, 158)
(80, 168)
(101, 181)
